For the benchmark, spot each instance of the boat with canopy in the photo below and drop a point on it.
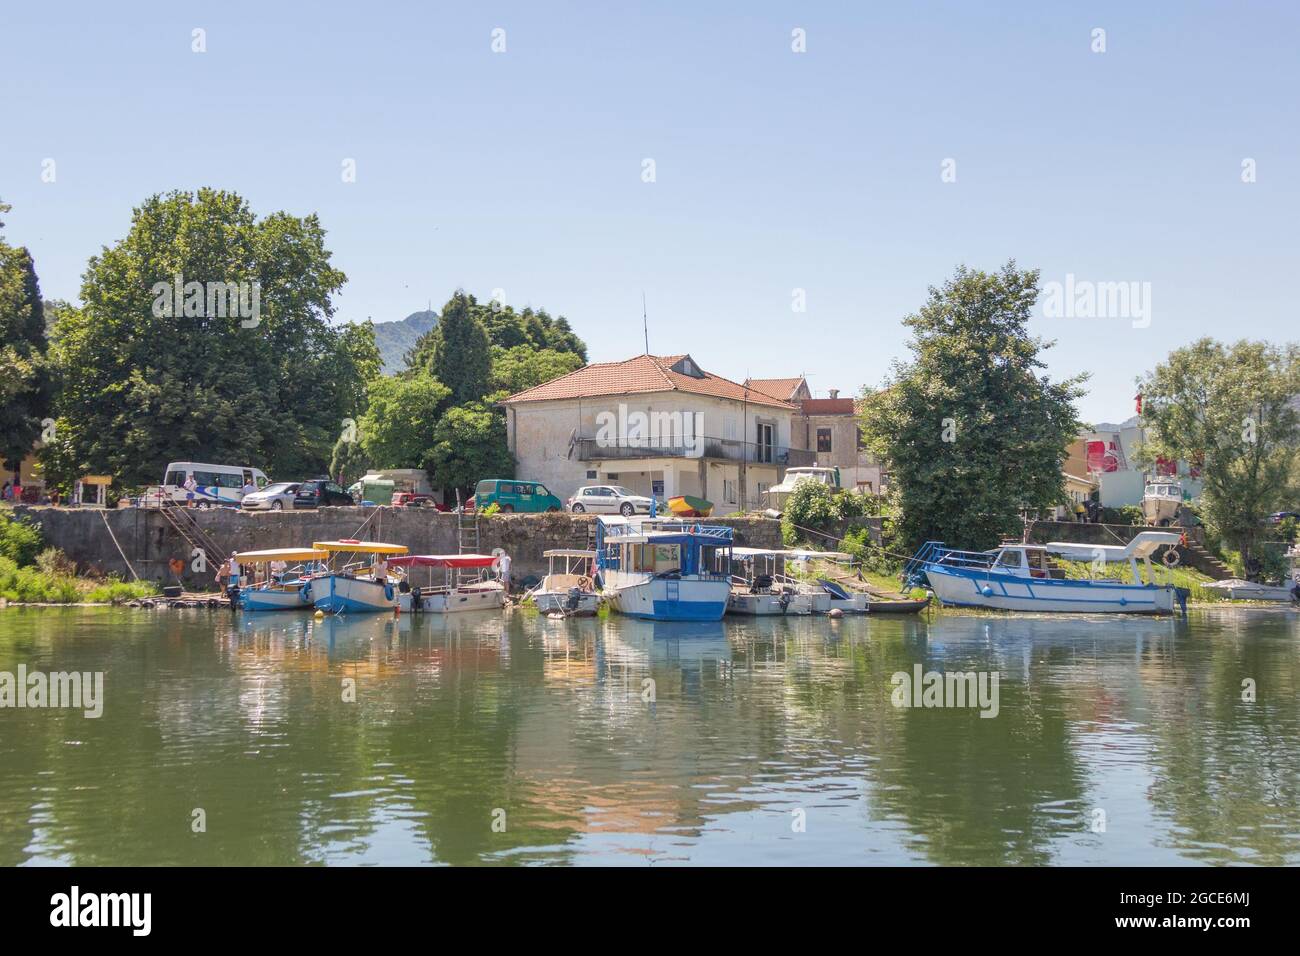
(465, 583)
(572, 590)
(761, 585)
(278, 589)
(352, 583)
(663, 570)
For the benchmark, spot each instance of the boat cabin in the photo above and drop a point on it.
(1027, 561)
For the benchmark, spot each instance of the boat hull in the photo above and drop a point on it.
(480, 597)
(549, 602)
(337, 593)
(965, 588)
(667, 599)
(768, 605)
(854, 604)
(273, 599)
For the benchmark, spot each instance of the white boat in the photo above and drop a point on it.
(351, 588)
(1237, 589)
(571, 591)
(287, 590)
(761, 586)
(663, 571)
(1161, 500)
(1022, 577)
(465, 586)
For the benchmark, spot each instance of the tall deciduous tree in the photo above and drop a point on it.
(969, 428)
(150, 376)
(507, 330)
(469, 445)
(398, 428)
(1232, 410)
(25, 382)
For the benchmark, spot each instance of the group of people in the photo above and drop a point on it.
(12, 491)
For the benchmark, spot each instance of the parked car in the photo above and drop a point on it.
(274, 497)
(321, 493)
(510, 494)
(608, 499)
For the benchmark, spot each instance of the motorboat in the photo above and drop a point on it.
(1023, 577)
(466, 585)
(278, 589)
(353, 586)
(1162, 499)
(760, 585)
(570, 590)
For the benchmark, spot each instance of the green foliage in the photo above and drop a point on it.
(20, 539)
(461, 354)
(31, 585)
(1228, 409)
(815, 513)
(144, 383)
(349, 461)
(398, 428)
(969, 429)
(116, 591)
(506, 329)
(26, 384)
(469, 443)
(522, 367)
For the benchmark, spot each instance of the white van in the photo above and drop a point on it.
(217, 484)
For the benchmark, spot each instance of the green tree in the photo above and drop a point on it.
(400, 423)
(521, 367)
(1231, 410)
(507, 330)
(147, 376)
(969, 429)
(25, 377)
(349, 461)
(469, 444)
(462, 353)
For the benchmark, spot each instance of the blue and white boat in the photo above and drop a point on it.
(1022, 577)
(284, 588)
(664, 570)
(353, 588)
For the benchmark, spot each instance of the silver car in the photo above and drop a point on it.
(275, 497)
(608, 499)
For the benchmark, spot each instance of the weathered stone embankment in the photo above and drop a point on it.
(149, 541)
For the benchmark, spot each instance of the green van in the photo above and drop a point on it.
(511, 494)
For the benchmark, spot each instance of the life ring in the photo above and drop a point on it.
(1171, 558)
(585, 583)
(349, 540)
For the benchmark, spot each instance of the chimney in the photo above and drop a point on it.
(835, 393)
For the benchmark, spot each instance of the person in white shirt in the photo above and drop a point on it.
(248, 489)
(191, 486)
(503, 570)
(380, 568)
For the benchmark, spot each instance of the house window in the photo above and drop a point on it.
(591, 476)
(763, 442)
(729, 491)
(729, 428)
(823, 439)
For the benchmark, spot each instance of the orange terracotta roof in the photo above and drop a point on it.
(782, 388)
(644, 373)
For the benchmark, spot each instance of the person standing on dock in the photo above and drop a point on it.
(503, 571)
(191, 486)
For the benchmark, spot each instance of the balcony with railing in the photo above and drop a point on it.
(726, 449)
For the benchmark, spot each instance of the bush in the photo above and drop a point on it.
(54, 562)
(116, 591)
(20, 539)
(30, 585)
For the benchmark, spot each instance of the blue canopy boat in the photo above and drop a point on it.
(662, 570)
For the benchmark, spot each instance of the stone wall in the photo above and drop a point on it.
(149, 542)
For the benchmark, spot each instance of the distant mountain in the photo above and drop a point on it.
(396, 338)
(1112, 427)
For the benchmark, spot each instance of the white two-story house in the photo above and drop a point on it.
(657, 425)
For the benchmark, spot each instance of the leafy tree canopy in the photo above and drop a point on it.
(398, 428)
(1232, 411)
(25, 378)
(506, 329)
(469, 444)
(149, 376)
(968, 428)
(521, 367)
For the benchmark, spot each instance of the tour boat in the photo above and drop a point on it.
(571, 591)
(662, 572)
(350, 587)
(285, 591)
(456, 593)
(1022, 577)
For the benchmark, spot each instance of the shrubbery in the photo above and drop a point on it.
(20, 540)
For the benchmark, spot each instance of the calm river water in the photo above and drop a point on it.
(512, 739)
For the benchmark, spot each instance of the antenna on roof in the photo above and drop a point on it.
(645, 323)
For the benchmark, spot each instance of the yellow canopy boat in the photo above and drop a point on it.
(361, 547)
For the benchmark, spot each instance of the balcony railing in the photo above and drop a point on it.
(728, 449)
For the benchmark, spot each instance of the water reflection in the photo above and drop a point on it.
(483, 738)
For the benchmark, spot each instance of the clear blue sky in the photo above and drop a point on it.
(775, 170)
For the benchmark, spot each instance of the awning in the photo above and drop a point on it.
(443, 561)
(361, 547)
(281, 554)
